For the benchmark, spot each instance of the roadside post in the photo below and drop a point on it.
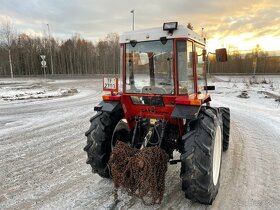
(43, 63)
(254, 65)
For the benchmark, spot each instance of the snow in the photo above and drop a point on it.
(42, 163)
(24, 90)
(156, 33)
(263, 91)
(254, 153)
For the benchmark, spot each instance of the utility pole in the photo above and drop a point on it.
(50, 47)
(132, 11)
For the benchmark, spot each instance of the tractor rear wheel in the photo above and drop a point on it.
(226, 126)
(100, 139)
(201, 157)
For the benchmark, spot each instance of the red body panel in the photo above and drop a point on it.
(156, 112)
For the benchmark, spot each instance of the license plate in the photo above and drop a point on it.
(110, 84)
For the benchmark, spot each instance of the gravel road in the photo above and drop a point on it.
(42, 163)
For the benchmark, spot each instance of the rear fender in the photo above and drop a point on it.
(188, 112)
(108, 106)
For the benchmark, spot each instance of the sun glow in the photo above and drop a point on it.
(244, 42)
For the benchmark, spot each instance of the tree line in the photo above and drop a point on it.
(256, 61)
(20, 54)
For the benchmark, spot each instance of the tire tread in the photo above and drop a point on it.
(196, 155)
(226, 126)
(99, 137)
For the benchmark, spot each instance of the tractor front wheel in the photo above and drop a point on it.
(201, 157)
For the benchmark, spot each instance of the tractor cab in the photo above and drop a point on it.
(162, 67)
(163, 61)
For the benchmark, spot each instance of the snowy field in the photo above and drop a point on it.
(42, 165)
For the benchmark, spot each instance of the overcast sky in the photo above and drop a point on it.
(226, 22)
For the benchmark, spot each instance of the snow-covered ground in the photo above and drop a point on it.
(42, 163)
(251, 169)
(30, 89)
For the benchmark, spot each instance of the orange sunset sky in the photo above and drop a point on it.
(238, 25)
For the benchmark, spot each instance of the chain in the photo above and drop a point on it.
(140, 173)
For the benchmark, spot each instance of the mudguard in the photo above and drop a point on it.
(108, 106)
(188, 112)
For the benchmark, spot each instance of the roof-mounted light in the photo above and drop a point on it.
(170, 26)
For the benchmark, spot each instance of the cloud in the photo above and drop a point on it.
(93, 19)
(261, 18)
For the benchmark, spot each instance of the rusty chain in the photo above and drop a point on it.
(140, 173)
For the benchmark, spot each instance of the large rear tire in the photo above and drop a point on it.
(226, 126)
(201, 157)
(100, 140)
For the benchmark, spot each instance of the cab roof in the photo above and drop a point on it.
(156, 33)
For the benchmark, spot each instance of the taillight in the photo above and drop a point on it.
(111, 98)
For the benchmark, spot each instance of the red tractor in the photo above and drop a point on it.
(164, 102)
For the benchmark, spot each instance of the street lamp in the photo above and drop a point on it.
(132, 11)
(50, 47)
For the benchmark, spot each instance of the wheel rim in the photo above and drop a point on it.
(217, 155)
(122, 125)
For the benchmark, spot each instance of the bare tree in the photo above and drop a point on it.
(73, 56)
(8, 36)
(257, 51)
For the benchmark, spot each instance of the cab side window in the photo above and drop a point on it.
(201, 82)
(185, 67)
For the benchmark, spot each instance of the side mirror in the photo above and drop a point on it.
(221, 55)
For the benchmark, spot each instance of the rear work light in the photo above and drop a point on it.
(170, 26)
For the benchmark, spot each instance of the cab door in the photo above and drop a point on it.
(199, 68)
